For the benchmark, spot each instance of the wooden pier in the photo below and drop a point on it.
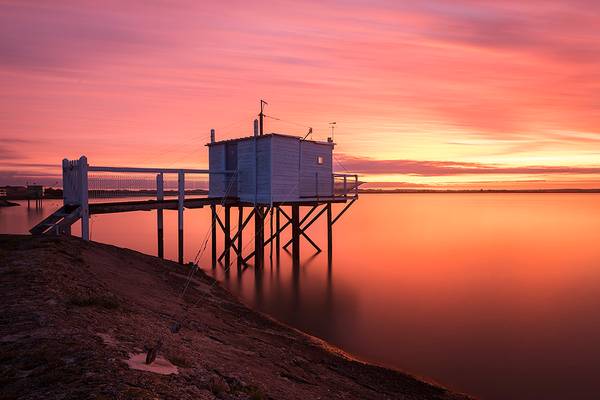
(271, 220)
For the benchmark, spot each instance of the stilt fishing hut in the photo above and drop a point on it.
(268, 172)
(271, 174)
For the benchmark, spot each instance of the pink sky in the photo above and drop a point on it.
(442, 93)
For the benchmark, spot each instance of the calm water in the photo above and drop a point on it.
(496, 295)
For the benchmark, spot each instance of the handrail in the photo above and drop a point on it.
(95, 168)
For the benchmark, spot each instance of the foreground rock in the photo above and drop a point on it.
(76, 318)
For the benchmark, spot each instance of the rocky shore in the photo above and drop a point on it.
(77, 320)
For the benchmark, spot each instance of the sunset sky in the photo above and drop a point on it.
(491, 94)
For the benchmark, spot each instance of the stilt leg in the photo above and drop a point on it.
(258, 237)
(160, 233)
(296, 232)
(213, 212)
(239, 238)
(227, 236)
(329, 233)
(270, 235)
(277, 227)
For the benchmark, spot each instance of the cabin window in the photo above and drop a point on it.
(320, 160)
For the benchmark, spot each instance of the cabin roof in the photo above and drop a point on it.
(269, 135)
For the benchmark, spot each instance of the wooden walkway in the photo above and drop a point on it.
(173, 204)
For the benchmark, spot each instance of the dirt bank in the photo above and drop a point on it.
(75, 318)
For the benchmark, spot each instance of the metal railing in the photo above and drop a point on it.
(345, 185)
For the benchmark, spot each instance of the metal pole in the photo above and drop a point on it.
(181, 199)
(160, 195)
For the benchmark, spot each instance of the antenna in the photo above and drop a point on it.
(332, 126)
(309, 133)
(262, 115)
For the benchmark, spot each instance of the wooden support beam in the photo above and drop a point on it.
(243, 225)
(181, 199)
(278, 233)
(303, 233)
(213, 226)
(160, 195)
(296, 232)
(240, 258)
(220, 222)
(227, 231)
(271, 235)
(343, 211)
(329, 230)
(258, 237)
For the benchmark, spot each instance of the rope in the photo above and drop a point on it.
(289, 122)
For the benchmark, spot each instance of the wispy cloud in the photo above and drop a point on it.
(451, 168)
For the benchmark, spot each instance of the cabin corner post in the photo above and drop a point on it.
(180, 204)
(160, 196)
(213, 227)
(83, 198)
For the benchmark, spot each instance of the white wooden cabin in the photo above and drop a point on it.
(271, 168)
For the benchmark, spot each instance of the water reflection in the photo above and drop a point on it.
(298, 292)
(495, 295)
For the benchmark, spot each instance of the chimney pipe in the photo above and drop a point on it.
(255, 127)
(212, 135)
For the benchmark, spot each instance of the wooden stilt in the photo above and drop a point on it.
(181, 200)
(296, 232)
(329, 231)
(278, 233)
(258, 237)
(213, 213)
(270, 235)
(227, 232)
(160, 195)
(302, 230)
(239, 235)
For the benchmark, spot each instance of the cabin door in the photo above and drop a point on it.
(231, 165)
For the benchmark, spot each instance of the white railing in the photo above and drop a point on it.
(76, 190)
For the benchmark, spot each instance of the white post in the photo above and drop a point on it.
(181, 184)
(82, 165)
(66, 181)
